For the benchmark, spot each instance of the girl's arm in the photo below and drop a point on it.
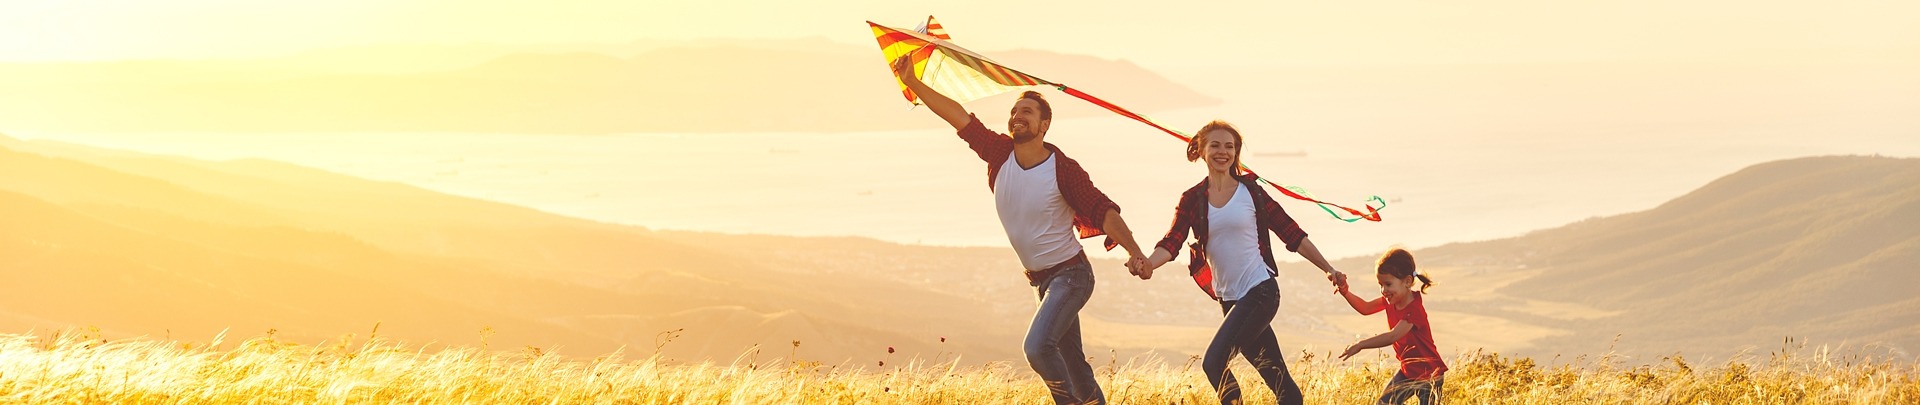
(1364, 307)
(1380, 340)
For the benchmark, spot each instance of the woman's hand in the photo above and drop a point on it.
(1146, 265)
(1138, 266)
(1339, 281)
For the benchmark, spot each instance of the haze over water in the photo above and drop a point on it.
(1452, 173)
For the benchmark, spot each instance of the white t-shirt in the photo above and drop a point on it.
(1037, 219)
(1233, 247)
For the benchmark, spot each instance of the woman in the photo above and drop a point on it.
(1232, 260)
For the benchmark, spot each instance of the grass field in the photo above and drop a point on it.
(82, 368)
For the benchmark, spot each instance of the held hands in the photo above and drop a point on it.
(1142, 267)
(1339, 281)
(1138, 266)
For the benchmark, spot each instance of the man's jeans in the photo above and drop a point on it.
(1053, 342)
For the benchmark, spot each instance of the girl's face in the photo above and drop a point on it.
(1397, 290)
(1221, 151)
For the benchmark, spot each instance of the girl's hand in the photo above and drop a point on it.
(1351, 350)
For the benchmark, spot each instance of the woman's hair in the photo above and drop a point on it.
(1399, 263)
(1194, 144)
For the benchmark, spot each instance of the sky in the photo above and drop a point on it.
(1153, 33)
(1689, 95)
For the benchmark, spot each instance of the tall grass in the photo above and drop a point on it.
(80, 367)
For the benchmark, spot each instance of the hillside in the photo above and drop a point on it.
(1819, 249)
(697, 86)
(135, 244)
(157, 246)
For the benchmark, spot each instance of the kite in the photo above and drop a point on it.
(965, 76)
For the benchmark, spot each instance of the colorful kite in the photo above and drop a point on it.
(966, 76)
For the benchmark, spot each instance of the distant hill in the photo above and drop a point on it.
(159, 246)
(693, 86)
(1821, 249)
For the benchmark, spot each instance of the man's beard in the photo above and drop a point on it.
(1024, 136)
(1020, 136)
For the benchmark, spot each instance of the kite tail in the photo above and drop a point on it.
(1371, 214)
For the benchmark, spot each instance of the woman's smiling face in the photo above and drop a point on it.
(1222, 150)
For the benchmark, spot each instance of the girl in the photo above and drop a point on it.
(1421, 370)
(1230, 216)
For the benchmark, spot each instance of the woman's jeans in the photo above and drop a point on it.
(1248, 331)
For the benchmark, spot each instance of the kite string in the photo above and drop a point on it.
(921, 53)
(1372, 213)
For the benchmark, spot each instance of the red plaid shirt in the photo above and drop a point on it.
(1089, 205)
(1191, 215)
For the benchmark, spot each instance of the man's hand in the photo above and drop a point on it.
(1137, 265)
(903, 68)
(946, 108)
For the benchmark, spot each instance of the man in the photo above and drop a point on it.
(1044, 200)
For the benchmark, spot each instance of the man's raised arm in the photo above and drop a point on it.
(945, 107)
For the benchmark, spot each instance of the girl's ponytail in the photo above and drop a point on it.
(1399, 264)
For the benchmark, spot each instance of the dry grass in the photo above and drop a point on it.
(79, 367)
